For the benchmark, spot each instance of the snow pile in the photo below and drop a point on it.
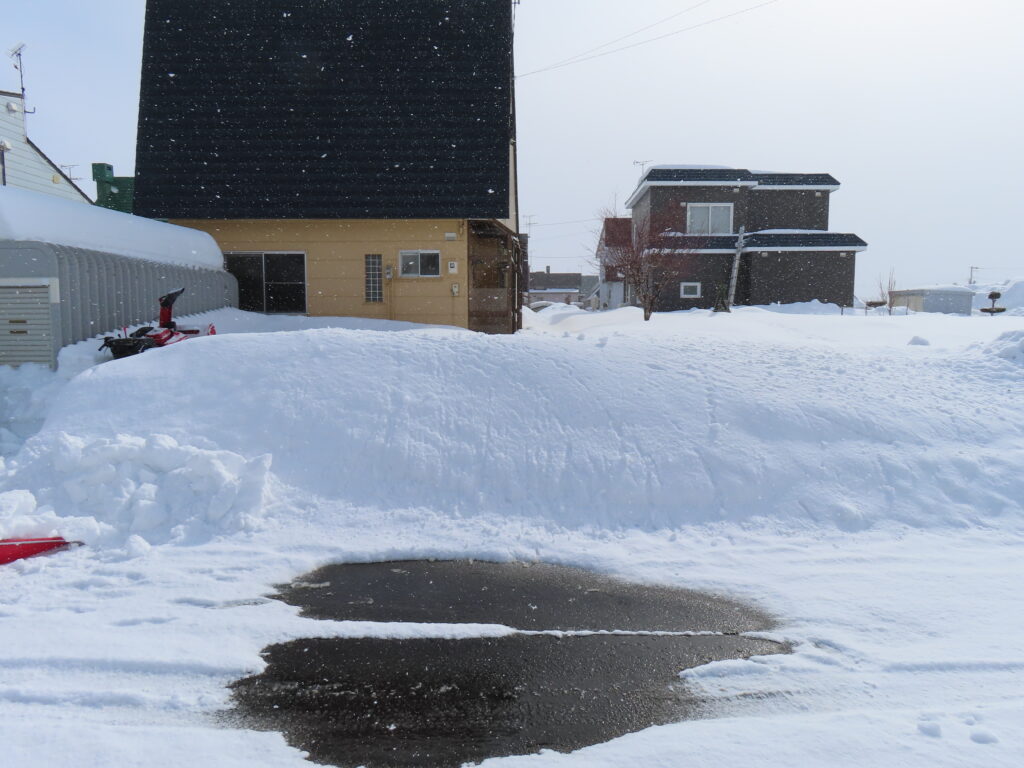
(148, 486)
(675, 422)
(797, 443)
(1009, 346)
(32, 216)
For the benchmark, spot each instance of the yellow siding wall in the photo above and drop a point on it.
(335, 251)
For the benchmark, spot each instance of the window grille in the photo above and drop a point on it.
(374, 290)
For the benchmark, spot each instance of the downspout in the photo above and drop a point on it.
(740, 243)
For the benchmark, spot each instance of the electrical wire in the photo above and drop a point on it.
(561, 223)
(649, 40)
(632, 34)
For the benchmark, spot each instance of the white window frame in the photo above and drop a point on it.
(373, 278)
(684, 286)
(691, 206)
(419, 254)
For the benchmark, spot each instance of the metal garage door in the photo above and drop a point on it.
(26, 335)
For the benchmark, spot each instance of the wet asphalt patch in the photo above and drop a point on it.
(562, 682)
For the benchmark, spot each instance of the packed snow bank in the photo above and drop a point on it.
(32, 216)
(1009, 346)
(694, 418)
(906, 641)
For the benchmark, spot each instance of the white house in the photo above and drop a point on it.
(22, 163)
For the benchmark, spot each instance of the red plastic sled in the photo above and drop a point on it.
(16, 549)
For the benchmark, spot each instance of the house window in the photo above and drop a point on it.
(374, 288)
(269, 282)
(709, 219)
(689, 290)
(421, 263)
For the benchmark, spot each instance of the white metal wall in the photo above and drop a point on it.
(93, 293)
(26, 323)
(27, 167)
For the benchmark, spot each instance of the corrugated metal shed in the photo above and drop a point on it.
(951, 300)
(56, 290)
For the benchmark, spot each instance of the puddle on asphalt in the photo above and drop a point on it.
(439, 703)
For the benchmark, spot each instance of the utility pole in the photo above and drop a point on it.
(973, 270)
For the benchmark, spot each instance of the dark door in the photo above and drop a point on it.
(269, 282)
(248, 270)
(284, 277)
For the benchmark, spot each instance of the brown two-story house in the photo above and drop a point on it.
(746, 236)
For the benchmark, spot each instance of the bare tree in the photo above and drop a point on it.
(643, 265)
(885, 290)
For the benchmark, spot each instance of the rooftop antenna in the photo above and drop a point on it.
(15, 53)
(67, 171)
(643, 165)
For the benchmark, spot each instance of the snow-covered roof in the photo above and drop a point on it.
(722, 176)
(31, 216)
(787, 232)
(769, 240)
(936, 289)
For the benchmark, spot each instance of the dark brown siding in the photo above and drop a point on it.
(779, 209)
(803, 276)
(667, 211)
(711, 270)
(642, 210)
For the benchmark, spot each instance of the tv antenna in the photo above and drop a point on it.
(15, 53)
(642, 164)
(67, 171)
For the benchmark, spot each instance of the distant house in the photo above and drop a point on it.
(949, 299)
(758, 237)
(350, 158)
(561, 287)
(616, 233)
(24, 165)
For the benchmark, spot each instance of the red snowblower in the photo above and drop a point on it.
(168, 333)
(17, 549)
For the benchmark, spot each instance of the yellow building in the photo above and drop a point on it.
(442, 271)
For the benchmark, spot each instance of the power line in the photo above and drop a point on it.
(632, 34)
(650, 40)
(561, 223)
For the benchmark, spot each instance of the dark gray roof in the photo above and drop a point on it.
(796, 179)
(773, 241)
(739, 175)
(546, 281)
(319, 109)
(767, 241)
(698, 174)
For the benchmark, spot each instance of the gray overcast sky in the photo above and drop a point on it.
(914, 105)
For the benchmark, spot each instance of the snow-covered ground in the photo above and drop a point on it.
(858, 476)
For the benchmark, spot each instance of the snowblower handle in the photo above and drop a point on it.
(167, 307)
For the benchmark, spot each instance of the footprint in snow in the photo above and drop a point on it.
(982, 736)
(930, 729)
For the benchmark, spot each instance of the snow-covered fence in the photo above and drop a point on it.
(70, 272)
